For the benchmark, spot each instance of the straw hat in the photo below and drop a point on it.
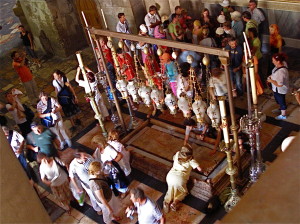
(225, 3)
(220, 31)
(221, 19)
(236, 15)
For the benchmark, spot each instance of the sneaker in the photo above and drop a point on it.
(69, 142)
(276, 111)
(62, 145)
(280, 117)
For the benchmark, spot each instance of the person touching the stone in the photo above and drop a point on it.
(177, 177)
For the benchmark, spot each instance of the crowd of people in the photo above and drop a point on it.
(105, 175)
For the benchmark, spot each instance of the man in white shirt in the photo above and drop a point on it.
(147, 210)
(123, 27)
(78, 169)
(17, 143)
(256, 14)
(152, 20)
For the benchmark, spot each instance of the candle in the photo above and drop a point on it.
(84, 19)
(222, 108)
(78, 55)
(224, 121)
(246, 40)
(104, 18)
(253, 86)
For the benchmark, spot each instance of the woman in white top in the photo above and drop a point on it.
(113, 140)
(91, 85)
(66, 96)
(108, 155)
(48, 110)
(280, 83)
(53, 175)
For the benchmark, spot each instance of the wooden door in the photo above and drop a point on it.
(90, 10)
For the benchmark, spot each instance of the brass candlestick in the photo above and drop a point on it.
(227, 146)
(234, 127)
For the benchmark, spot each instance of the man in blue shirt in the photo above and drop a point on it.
(235, 67)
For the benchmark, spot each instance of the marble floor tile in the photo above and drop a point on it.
(268, 132)
(86, 220)
(66, 218)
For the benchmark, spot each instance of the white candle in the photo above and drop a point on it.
(104, 19)
(246, 40)
(84, 19)
(253, 85)
(224, 122)
(78, 55)
(222, 108)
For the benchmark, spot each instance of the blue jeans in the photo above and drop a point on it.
(280, 99)
(25, 165)
(236, 78)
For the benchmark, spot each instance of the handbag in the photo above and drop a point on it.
(48, 121)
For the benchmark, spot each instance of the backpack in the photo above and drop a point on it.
(48, 121)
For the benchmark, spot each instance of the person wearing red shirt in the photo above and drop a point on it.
(126, 64)
(26, 76)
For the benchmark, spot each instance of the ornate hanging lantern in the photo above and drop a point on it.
(184, 106)
(144, 92)
(199, 108)
(158, 97)
(171, 102)
(121, 85)
(132, 88)
(213, 113)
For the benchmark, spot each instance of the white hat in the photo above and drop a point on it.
(221, 19)
(236, 15)
(225, 3)
(143, 28)
(220, 30)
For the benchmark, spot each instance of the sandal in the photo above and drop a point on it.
(116, 218)
(173, 207)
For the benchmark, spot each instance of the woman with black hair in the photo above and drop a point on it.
(66, 96)
(199, 129)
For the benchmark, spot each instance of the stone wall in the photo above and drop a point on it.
(54, 25)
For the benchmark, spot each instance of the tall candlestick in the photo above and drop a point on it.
(104, 18)
(224, 121)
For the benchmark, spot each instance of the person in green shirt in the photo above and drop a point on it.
(250, 23)
(175, 28)
(45, 140)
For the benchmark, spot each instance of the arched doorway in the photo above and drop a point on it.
(89, 8)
